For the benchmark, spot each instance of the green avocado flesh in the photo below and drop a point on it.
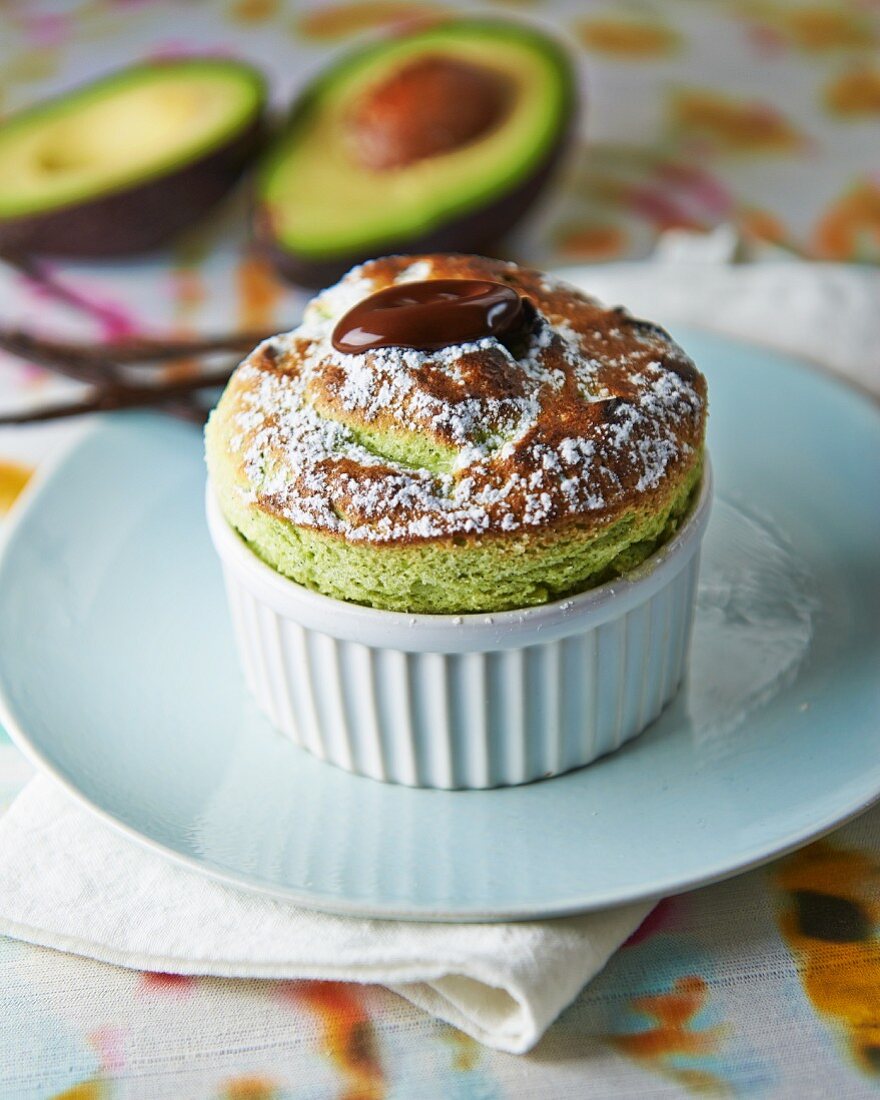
(318, 201)
(133, 126)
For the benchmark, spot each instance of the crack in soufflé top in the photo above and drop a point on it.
(593, 412)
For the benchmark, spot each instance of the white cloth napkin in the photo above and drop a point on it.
(70, 882)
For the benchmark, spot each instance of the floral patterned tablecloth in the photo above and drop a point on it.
(759, 113)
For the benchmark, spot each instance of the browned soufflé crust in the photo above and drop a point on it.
(594, 414)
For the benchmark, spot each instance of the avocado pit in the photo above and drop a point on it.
(434, 105)
(437, 140)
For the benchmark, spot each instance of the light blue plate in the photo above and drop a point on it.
(119, 678)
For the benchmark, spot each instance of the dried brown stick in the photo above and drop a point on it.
(147, 349)
(183, 410)
(94, 369)
(37, 273)
(137, 350)
(96, 372)
(97, 364)
(102, 372)
(163, 395)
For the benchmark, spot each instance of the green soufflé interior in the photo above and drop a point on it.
(455, 575)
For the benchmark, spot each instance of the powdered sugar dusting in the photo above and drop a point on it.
(574, 423)
(417, 271)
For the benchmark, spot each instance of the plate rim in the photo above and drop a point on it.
(868, 792)
(337, 907)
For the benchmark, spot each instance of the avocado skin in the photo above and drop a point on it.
(143, 216)
(478, 230)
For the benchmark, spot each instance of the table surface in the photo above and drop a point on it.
(763, 115)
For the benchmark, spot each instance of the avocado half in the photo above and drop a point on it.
(331, 193)
(122, 164)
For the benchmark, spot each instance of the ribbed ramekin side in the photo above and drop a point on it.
(428, 719)
(301, 689)
(360, 700)
(247, 618)
(592, 692)
(391, 692)
(663, 656)
(470, 719)
(686, 602)
(236, 595)
(543, 709)
(579, 691)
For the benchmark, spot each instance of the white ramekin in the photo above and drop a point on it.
(465, 701)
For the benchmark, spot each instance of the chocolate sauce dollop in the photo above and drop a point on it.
(430, 315)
